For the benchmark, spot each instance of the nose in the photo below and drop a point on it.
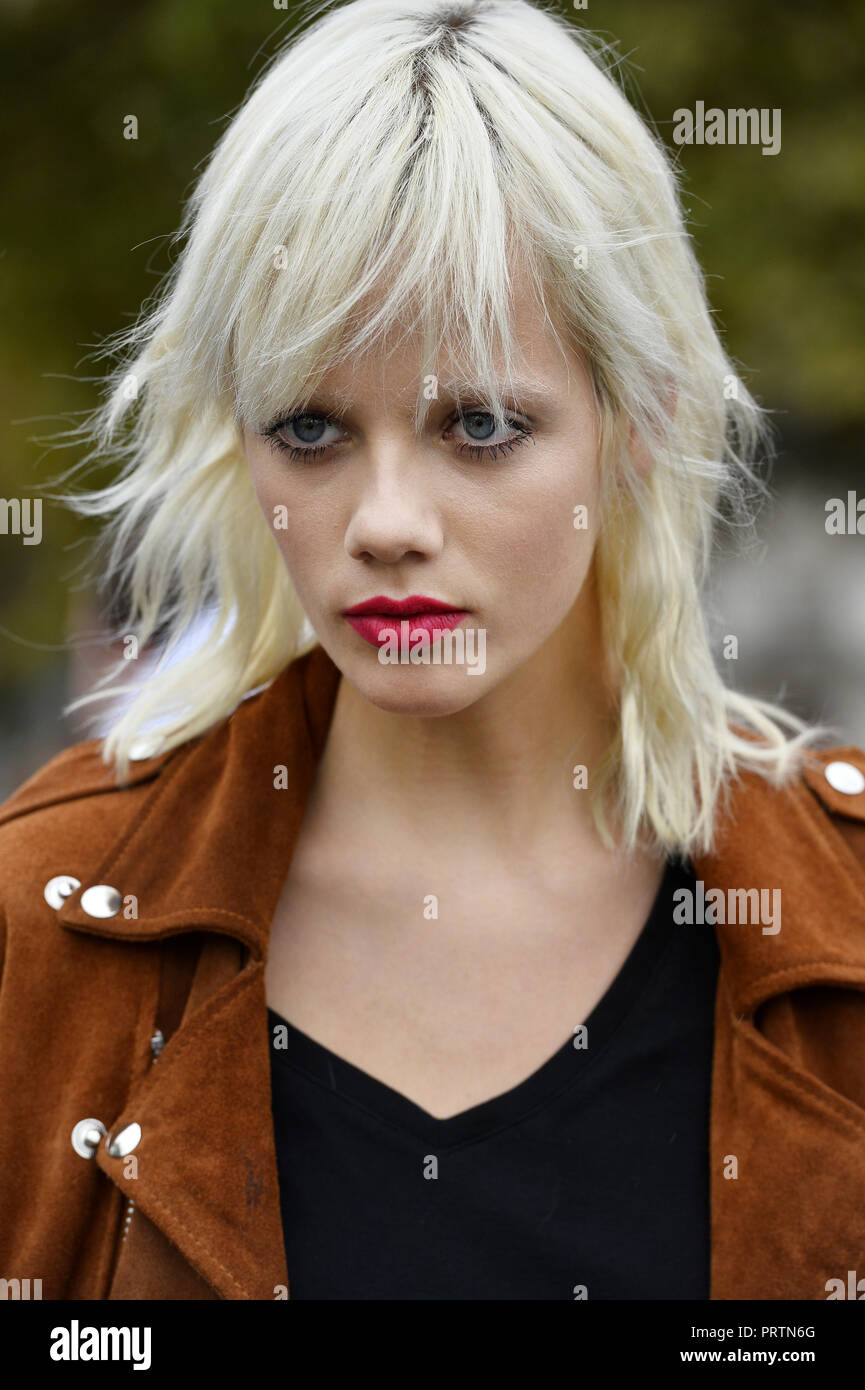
(393, 513)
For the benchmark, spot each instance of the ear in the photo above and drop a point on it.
(638, 445)
(640, 454)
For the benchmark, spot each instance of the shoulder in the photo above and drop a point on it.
(835, 777)
(807, 823)
(60, 820)
(825, 783)
(831, 786)
(77, 796)
(75, 774)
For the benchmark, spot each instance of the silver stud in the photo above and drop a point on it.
(846, 778)
(58, 889)
(101, 901)
(125, 1141)
(86, 1137)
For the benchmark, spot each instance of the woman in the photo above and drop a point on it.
(479, 943)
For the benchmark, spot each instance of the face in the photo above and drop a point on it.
(472, 522)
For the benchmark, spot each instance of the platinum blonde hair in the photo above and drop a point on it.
(405, 155)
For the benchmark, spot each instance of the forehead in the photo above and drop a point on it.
(403, 366)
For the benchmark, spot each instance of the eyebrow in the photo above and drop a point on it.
(527, 391)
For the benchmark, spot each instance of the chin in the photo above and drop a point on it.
(417, 690)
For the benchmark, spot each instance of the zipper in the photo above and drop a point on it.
(157, 1042)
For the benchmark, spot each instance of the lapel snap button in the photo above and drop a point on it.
(125, 1141)
(58, 889)
(86, 1136)
(846, 778)
(101, 901)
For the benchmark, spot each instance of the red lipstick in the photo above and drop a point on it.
(376, 617)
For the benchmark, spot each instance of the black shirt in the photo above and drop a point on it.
(592, 1174)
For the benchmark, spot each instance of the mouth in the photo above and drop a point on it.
(377, 618)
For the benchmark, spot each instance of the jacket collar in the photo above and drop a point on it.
(239, 793)
(783, 839)
(227, 873)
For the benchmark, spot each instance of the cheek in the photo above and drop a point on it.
(536, 540)
(301, 525)
(308, 550)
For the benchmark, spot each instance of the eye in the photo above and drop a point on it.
(304, 435)
(309, 433)
(485, 437)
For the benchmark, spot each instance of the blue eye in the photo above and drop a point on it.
(308, 428)
(303, 435)
(480, 424)
(487, 439)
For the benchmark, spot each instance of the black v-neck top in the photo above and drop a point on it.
(590, 1179)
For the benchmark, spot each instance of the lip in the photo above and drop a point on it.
(375, 617)
(404, 607)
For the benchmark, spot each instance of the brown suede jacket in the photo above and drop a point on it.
(136, 915)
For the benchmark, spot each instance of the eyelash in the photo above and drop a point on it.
(478, 452)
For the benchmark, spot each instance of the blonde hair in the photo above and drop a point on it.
(404, 154)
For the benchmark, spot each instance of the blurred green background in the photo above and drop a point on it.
(84, 240)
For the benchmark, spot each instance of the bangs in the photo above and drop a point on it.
(397, 225)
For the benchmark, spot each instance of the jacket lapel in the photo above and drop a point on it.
(206, 1172)
(209, 853)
